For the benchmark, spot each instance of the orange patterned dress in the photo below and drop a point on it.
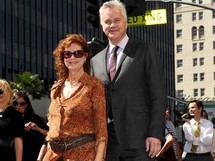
(83, 113)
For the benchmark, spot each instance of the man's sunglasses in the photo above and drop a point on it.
(1, 91)
(15, 103)
(77, 54)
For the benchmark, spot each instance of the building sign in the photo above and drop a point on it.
(153, 17)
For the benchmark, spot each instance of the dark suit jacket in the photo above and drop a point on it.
(137, 93)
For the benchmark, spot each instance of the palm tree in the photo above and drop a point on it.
(28, 83)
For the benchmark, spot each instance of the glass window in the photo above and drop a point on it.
(194, 16)
(202, 91)
(202, 76)
(178, 18)
(213, 30)
(180, 93)
(214, 75)
(201, 32)
(201, 61)
(200, 1)
(179, 63)
(193, 1)
(213, 14)
(214, 45)
(194, 62)
(214, 60)
(179, 78)
(201, 46)
(194, 46)
(179, 48)
(200, 15)
(195, 92)
(195, 77)
(178, 33)
(194, 32)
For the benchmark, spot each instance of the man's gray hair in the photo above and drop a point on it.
(111, 4)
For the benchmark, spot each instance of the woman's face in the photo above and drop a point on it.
(20, 105)
(74, 63)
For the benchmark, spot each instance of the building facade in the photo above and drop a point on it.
(195, 51)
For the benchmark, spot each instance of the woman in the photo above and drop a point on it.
(11, 126)
(35, 128)
(77, 114)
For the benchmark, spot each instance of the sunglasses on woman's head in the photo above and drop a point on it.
(1, 91)
(77, 54)
(15, 103)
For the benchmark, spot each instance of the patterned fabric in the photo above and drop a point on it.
(196, 129)
(83, 113)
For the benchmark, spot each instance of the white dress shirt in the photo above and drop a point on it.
(204, 142)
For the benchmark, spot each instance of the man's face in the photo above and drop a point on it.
(193, 109)
(113, 24)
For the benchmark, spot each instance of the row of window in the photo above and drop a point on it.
(197, 92)
(179, 47)
(195, 62)
(196, 77)
(194, 16)
(195, 32)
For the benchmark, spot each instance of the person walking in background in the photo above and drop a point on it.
(198, 133)
(171, 128)
(35, 128)
(11, 126)
(77, 113)
(136, 97)
(204, 115)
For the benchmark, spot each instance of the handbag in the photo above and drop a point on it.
(169, 155)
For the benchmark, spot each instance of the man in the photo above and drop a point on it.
(198, 133)
(135, 95)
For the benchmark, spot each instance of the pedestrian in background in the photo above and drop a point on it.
(131, 72)
(77, 113)
(35, 127)
(198, 133)
(11, 126)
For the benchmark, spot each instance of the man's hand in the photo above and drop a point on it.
(153, 146)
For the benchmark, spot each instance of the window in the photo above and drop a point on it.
(214, 60)
(213, 14)
(202, 91)
(195, 77)
(200, 15)
(201, 46)
(213, 30)
(194, 16)
(194, 62)
(201, 61)
(179, 48)
(194, 46)
(180, 93)
(202, 76)
(214, 45)
(193, 1)
(179, 78)
(178, 18)
(201, 32)
(200, 1)
(179, 63)
(195, 92)
(214, 75)
(178, 33)
(194, 32)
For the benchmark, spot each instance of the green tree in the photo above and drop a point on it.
(29, 83)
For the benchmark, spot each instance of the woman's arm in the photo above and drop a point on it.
(18, 144)
(167, 145)
(100, 151)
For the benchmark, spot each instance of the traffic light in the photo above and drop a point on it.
(93, 12)
(135, 7)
